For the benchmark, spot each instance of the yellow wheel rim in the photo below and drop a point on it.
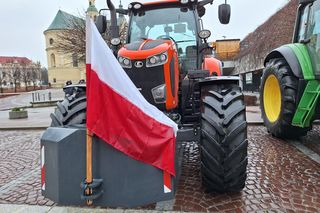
(272, 98)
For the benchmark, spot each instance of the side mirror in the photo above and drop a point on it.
(224, 13)
(204, 34)
(101, 23)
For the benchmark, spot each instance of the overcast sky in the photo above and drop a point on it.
(22, 22)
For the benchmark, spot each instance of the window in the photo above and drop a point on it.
(54, 80)
(313, 36)
(173, 25)
(53, 60)
(51, 41)
(303, 23)
(75, 60)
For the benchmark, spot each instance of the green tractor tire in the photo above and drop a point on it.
(278, 100)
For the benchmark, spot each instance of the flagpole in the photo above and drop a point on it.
(89, 164)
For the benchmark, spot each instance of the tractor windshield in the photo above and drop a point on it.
(166, 23)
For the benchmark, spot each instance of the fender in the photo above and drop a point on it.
(213, 65)
(214, 82)
(297, 57)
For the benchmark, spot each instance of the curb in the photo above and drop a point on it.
(23, 128)
(4, 208)
(24, 107)
(255, 123)
(45, 127)
(250, 123)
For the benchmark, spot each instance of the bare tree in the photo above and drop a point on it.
(15, 75)
(2, 75)
(44, 76)
(35, 74)
(73, 39)
(25, 74)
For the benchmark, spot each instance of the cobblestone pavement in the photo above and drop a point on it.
(280, 178)
(312, 140)
(20, 168)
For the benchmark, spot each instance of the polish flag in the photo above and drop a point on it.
(119, 114)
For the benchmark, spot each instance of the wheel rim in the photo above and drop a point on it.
(272, 98)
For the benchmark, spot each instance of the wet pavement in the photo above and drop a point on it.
(37, 118)
(24, 99)
(280, 178)
(20, 168)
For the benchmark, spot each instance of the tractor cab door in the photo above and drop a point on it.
(309, 32)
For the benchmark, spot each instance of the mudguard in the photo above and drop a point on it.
(213, 65)
(288, 54)
(220, 80)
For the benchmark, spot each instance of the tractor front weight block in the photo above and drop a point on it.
(118, 180)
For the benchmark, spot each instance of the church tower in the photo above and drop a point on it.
(92, 10)
(121, 18)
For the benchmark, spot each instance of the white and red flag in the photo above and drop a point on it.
(120, 115)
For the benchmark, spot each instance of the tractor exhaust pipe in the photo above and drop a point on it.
(114, 29)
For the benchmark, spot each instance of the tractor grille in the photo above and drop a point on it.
(146, 79)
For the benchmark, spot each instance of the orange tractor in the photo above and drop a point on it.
(168, 58)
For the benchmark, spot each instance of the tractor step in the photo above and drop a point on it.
(307, 105)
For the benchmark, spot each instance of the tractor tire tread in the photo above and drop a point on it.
(223, 140)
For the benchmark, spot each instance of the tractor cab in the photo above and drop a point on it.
(174, 24)
(165, 41)
(308, 31)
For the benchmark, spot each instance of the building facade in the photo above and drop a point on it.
(92, 10)
(17, 72)
(62, 66)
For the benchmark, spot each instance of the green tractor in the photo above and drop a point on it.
(290, 86)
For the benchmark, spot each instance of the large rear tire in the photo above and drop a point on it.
(71, 111)
(223, 140)
(278, 100)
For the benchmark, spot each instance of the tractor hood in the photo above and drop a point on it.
(145, 48)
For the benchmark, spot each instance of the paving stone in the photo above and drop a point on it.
(280, 178)
(276, 172)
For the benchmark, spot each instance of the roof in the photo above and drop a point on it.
(160, 2)
(92, 8)
(276, 31)
(9, 59)
(62, 21)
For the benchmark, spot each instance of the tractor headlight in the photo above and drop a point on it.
(159, 94)
(125, 62)
(115, 41)
(157, 60)
(137, 6)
